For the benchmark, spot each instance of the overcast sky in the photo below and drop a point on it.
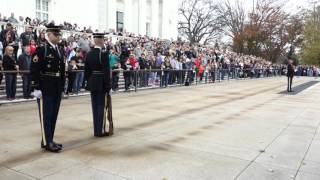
(289, 5)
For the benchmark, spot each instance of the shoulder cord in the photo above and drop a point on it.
(100, 57)
(45, 49)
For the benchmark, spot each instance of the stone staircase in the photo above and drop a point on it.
(121, 83)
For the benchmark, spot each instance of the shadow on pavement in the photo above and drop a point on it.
(298, 89)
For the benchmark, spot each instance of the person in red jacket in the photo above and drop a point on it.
(201, 71)
(197, 63)
(134, 65)
(33, 47)
(133, 62)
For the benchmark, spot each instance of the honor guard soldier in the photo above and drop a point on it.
(48, 78)
(97, 74)
(290, 74)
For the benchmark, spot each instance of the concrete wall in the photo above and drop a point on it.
(82, 12)
(20, 8)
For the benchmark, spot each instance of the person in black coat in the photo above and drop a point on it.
(24, 62)
(1, 68)
(127, 74)
(115, 76)
(8, 37)
(97, 73)
(143, 73)
(290, 74)
(27, 36)
(10, 64)
(79, 74)
(72, 66)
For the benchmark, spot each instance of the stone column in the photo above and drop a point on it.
(111, 14)
(142, 17)
(102, 11)
(128, 16)
(155, 18)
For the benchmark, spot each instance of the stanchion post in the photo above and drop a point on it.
(136, 80)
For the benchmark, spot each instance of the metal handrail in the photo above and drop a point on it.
(141, 70)
(143, 79)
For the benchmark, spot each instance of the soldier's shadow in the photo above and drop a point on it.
(298, 89)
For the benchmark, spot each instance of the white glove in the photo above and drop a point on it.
(37, 94)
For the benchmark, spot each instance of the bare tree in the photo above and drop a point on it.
(200, 22)
(232, 16)
(267, 31)
(274, 30)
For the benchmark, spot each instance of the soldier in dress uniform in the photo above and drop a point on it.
(97, 74)
(290, 74)
(48, 78)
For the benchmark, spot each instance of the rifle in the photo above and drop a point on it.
(109, 116)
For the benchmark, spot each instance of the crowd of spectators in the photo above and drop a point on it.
(144, 61)
(41, 24)
(307, 70)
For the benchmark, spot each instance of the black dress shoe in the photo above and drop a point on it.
(51, 147)
(59, 145)
(102, 135)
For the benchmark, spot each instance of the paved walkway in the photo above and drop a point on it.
(235, 130)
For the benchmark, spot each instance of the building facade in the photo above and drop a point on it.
(155, 18)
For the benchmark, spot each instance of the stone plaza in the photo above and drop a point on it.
(245, 129)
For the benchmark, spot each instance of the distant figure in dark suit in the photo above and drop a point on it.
(290, 74)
